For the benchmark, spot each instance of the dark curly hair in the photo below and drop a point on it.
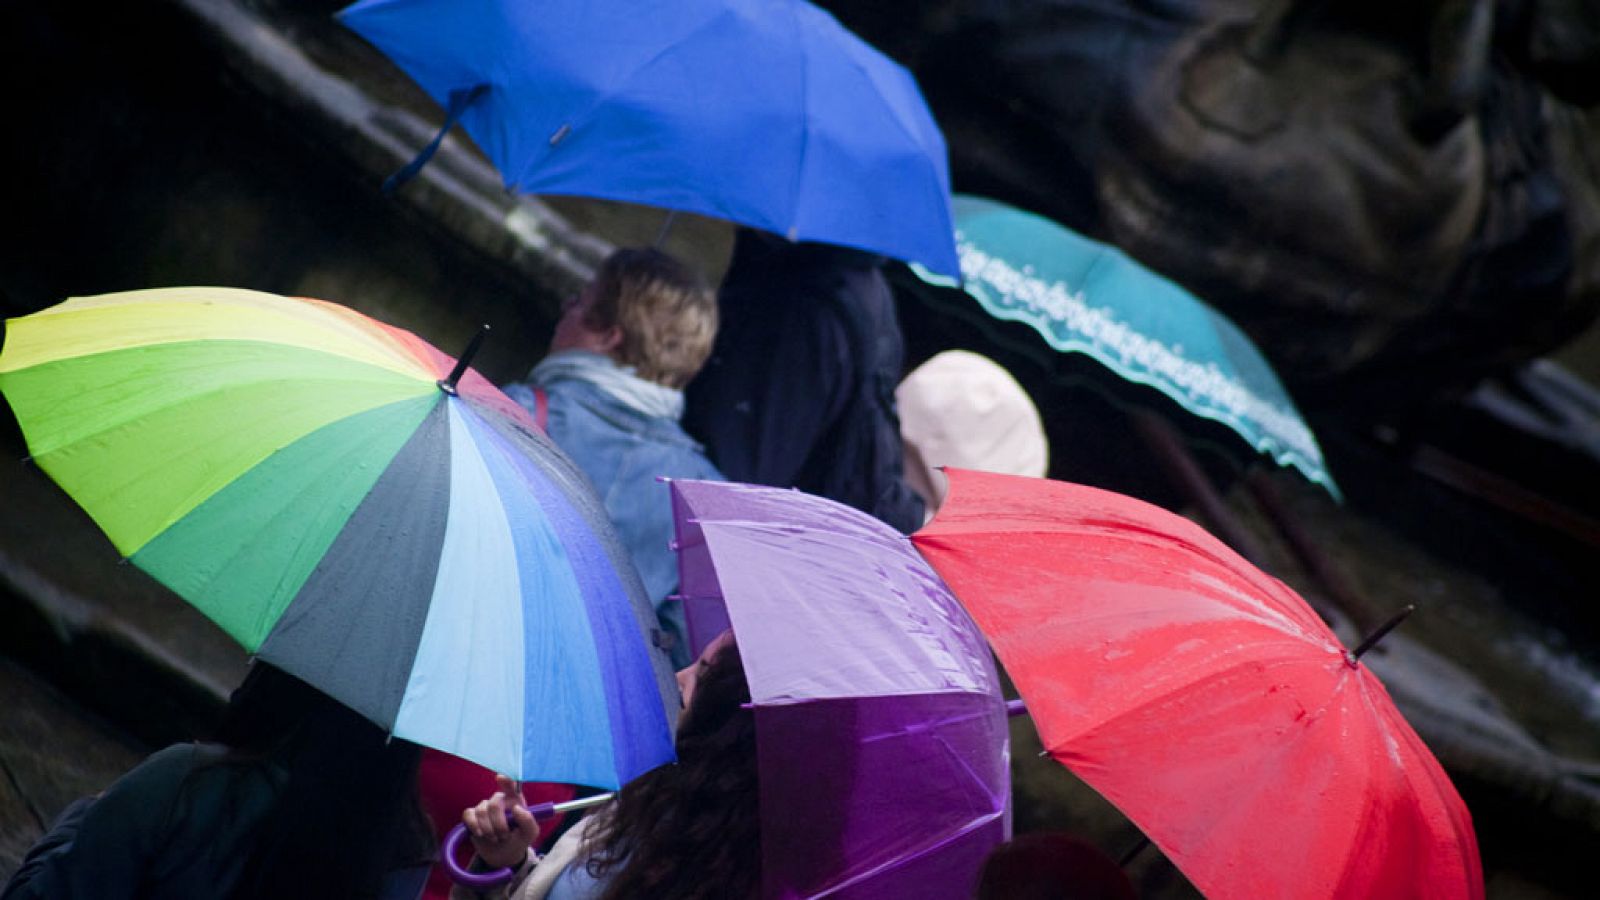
(691, 830)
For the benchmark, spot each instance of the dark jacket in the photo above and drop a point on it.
(178, 826)
(799, 390)
(174, 826)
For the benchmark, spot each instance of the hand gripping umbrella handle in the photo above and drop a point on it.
(483, 881)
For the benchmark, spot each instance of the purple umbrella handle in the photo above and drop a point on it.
(482, 881)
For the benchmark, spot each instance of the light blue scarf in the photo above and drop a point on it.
(620, 382)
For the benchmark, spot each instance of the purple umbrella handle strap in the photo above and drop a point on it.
(483, 881)
(494, 877)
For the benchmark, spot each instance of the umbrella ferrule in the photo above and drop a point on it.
(449, 382)
(1352, 657)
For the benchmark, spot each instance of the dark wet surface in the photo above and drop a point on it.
(216, 191)
(52, 751)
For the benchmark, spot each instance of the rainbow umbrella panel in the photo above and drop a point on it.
(350, 509)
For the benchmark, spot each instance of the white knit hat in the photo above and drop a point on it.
(961, 409)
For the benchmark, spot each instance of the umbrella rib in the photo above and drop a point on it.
(291, 508)
(1060, 745)
(961, 760)
(770, 527)
(1274, 623)
(212, 392)
(1353, 846)
(919, 726)
(892, 864)
(1405, 737)
(1226, 560)
(892, 112)
(805, 132)
(602, 98)
(330, 319)
(1219, 815)
(907, 692)
(192, 501)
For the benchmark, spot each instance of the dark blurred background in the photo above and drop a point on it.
(1400, 203)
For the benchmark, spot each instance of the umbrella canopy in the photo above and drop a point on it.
(880, 728)
(764, 112)
(1202, 697)
(294, 470)
(1082, 296)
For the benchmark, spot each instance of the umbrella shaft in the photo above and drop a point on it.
(582, 803)
(448, 383)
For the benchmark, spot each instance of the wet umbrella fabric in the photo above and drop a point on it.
(880, 728)
(763, 112)
(1082, 296)
(1202, 697)
(292, 469)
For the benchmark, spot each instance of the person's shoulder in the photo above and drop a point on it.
(686, 457)
(568, 386)
(199, 762)
(521, 392)
(155, 781)
(574, 390)
(692, 459)
(184, 756)
(578, 407)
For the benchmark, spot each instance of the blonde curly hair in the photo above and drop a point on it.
(663, 309)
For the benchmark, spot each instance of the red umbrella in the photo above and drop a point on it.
(1202, 697)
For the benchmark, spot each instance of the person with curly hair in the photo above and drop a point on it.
(686, 831)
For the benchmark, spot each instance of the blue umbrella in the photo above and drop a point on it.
(768, 113)
(1082, 296)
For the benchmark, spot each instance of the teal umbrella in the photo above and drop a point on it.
(1082, 296)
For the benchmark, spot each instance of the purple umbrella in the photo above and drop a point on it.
(880, 728)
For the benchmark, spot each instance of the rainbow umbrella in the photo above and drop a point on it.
(359, 510)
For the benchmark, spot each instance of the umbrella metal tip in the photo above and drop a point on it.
(1352, 657)
(449, 382)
